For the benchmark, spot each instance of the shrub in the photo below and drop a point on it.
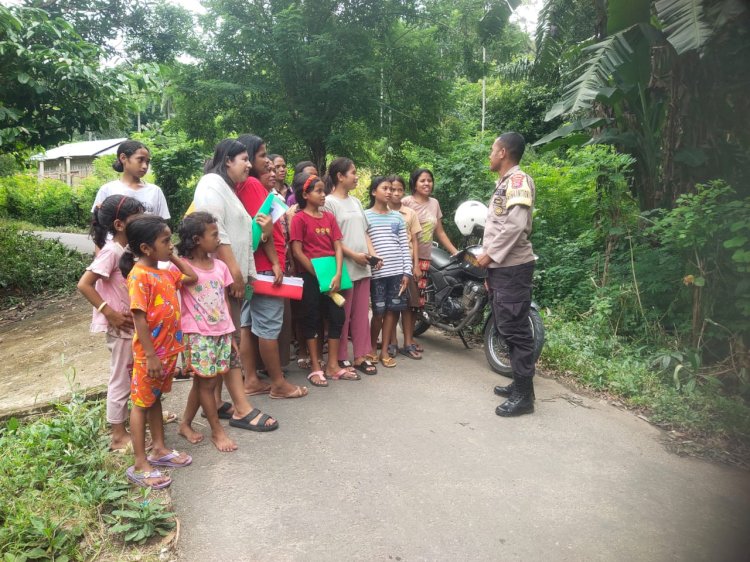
(32, 265)
(47, 202)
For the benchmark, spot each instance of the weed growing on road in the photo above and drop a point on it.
(607, 363)
(58, 482)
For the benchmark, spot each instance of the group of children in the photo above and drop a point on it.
(154, 306)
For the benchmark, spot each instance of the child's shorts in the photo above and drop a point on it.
(207, 356)
(384, 294)
(146, 390)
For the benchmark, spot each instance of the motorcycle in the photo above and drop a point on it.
(456, 301)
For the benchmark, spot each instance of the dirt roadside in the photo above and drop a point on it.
(42, 350)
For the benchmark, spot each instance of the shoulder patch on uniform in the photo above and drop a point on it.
(519, 192)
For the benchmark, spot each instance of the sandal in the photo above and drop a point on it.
(345, 375)
(388, 362)
(418, 348)
(244, 423)
(180, 375)
(139, 478)
(321, 376)
(372, 357)
(304, 363)
(367, 367)
(222, 411)
(168, 417)
(298, 392)
(168, 460)
(392, 350)
(410, 351)
(346, 364)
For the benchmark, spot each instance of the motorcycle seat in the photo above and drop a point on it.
(440, 258)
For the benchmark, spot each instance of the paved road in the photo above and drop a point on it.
(413, 464)
(80, 242)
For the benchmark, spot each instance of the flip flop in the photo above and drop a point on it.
(346, 364)
(244, 423)
(180, 375)
(345, 374)
(319, 374)
(388, 362)
(372, 357)
(266, 390)
(367, 367)
(223, 411)
(166, 460)
(298, 392)
(410, 351)
(168, 417)
(418, 347)
(139, 478)
(392, 350)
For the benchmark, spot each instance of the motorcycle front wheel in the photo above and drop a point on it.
(496, 350)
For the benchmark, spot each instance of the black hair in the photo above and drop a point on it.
(299, 183)
(340, 165)
(515, 144)
(273, 157)
(300, 166)
(396, 178)
(141, 230)
(415, 176)
(253, 144)
(376, 181)
(104, 216)
(192, 226)
(128, 148)
(227, 149)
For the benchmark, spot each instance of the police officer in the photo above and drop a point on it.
(510, 262)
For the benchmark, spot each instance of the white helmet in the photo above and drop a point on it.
(469, 215)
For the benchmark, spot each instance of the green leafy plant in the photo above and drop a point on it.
(137, 520)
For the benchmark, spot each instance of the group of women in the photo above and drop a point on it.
(382, 257)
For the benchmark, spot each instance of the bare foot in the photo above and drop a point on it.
(121, 444)
(224, 443)
(190, 434)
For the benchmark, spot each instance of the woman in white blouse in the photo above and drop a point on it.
(215, 193)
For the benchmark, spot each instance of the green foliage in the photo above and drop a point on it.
(30, 265)
(48, 202)
(607, 363)
(140, 519)
(58, 481)
(53, 84)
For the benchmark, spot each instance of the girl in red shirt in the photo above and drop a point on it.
(314, 234)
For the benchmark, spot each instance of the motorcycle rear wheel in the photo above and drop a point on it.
(422, 324)
(496, 350)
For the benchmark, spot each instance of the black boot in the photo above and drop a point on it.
(505, 390)
(508, 390)
(521, 401)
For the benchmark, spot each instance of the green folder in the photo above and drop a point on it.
(265, 209)
(325, 269)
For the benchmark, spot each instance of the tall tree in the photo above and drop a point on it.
(53, 84)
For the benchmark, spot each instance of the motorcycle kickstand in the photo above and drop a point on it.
(461, 335)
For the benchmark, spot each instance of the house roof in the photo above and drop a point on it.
(86, 148)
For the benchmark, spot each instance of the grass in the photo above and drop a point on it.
(30, 227)
(606, 363)
(63, 495)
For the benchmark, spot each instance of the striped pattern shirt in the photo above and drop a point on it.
(389, 238)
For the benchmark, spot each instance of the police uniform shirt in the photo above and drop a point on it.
(508, 225)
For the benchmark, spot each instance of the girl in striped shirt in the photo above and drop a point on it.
(387, 230)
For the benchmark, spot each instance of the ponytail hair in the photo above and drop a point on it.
(376, 181)
(192, 226)
(340, 165)
(128, 148)
(227, 149)
(141, 230)
(112, 208)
